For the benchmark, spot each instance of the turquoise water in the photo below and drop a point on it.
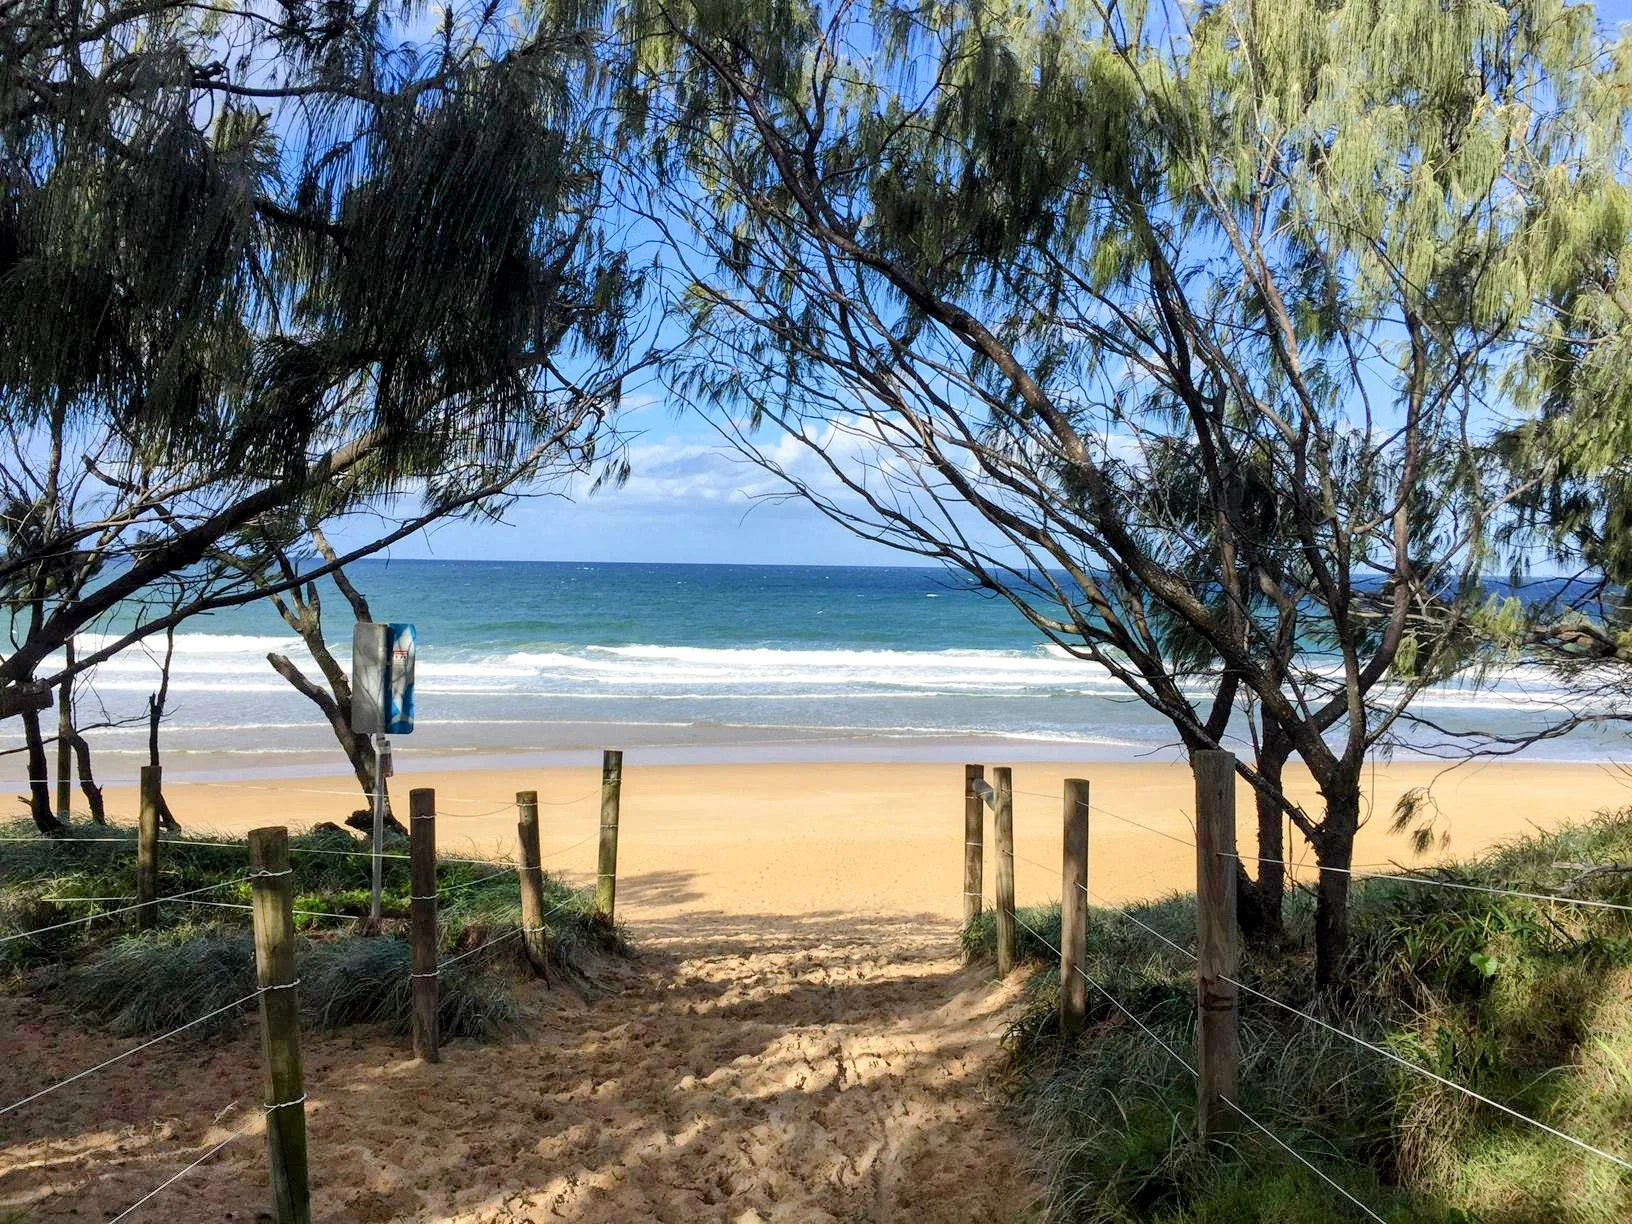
(551, 661)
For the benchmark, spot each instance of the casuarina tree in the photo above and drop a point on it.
(265, 266)
(1179, 328)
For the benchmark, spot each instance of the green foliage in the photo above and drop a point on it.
(1529, 1003)
(200, 957)
(152, 983)
(1037, 930)
(142, 985)
(1205, 315)
(356, 264)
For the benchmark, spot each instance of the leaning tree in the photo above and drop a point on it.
(265, 266)
(1179, 329)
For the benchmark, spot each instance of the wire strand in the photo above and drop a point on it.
(1302, 1159)
(1120, 912)
(1376, 1049)
(298, 913)
(79, 1075)
(569, 802)
(493, 943)
(1431, 882)
(123, 909)
(492, 875)
(183, 843)
(1112, 999)
(175, 1177)
(360, 850)
(1433, 1075)
(1095, 808)
(580, 842)
(481, 947)
(1281, 1143)
(1104, 904)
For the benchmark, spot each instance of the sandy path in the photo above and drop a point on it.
(751, 1070)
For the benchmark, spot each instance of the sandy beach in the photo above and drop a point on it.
(883, 839)
(795, 1039)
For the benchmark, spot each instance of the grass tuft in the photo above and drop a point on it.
(201, 957)
(142, 985)
(1527, 1002)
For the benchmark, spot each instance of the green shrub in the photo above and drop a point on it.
(1527, 1002)
(200, 958)
(366, 981)
(147, 984)
(151, 983)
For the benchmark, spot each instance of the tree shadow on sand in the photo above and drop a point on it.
(813, 1067)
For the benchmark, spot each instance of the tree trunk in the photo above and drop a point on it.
(1334, 849)
(87, 780)
(39, 777)
(359, 749)
(65, 738)
(155, 711)
(1258, 902)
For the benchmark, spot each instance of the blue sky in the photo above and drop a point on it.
(689, 500)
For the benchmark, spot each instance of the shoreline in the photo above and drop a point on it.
(188, 766)
(869, 838)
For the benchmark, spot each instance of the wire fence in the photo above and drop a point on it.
(124, 909)
(177, 1176)
(487, 807)
(213, 1014)
(507, 868)
(504, 866)
(1360, 872)
(169, 838)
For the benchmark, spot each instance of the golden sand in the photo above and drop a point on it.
(796, 1039)
(841, 839)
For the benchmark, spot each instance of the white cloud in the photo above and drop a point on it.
(677, 472)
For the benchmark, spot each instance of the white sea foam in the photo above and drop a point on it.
(940, 671)
(212, 663)
(225, 696)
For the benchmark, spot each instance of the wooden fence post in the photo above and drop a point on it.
(1217, 952)
(422, 911)
(1074, 910)
(606, 879)
(147, 849)
(274, 922)
(1003, 824)
(974, 848)
(531, 878)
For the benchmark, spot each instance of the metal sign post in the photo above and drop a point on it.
(382, 771)
(382, 703)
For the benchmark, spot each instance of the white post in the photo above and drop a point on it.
(382, 771)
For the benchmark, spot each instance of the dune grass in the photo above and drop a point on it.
(1526, 1002)
(201, 958)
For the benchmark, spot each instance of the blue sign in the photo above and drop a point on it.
(382, 679)
(399, 679)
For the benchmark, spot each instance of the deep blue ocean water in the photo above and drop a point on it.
(552, 661)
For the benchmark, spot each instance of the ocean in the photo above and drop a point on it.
(549, 662)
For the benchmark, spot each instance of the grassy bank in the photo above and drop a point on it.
(1528, 1003)
(201, 958)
